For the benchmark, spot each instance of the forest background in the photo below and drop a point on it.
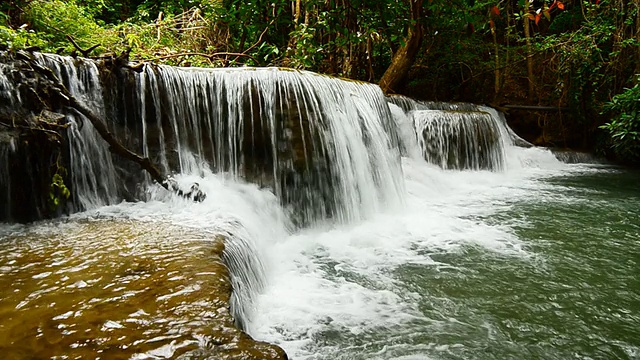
(566, 72)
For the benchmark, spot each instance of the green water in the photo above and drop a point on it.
(575, 296)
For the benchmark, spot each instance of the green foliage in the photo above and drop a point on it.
(53, 20)
(624, 127)
(584, 51)
(58, 192)
(19, 38)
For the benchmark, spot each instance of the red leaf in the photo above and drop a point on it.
(561, 5)
(495, 11)
(492, 24)
(531, 17)
(538, 18)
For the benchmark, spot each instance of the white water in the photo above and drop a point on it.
(460, 140)
(246, 120)
(338, 279)
(299, 289)
(92, 170)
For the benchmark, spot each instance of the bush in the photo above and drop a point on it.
(19, 38)
(624, 127)
(53, 20)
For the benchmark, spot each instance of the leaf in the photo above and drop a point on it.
(561, 5)
(495, 11)
(538, 16)
(547, 14)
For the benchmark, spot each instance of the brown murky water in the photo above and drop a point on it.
(118, 290)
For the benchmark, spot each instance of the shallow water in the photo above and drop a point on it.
(117, 289)
(113, 289)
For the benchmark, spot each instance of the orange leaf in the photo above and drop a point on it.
(538, 18)
(560, 5)
(531, 16)
(495, 10)
(492, 24)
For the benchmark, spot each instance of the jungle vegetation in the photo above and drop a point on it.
(578, 57)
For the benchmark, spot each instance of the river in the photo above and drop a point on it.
(537, 261)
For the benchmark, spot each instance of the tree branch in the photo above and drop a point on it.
(115, 146)
(84, 53)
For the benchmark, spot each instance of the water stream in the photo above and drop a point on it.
(401, 254)
(537, 262)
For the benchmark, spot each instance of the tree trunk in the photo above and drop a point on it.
(496, 48)
(527, 36)
(404, 58)
(296, 18)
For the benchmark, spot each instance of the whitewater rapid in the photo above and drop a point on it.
(339, 281)
(322, 288)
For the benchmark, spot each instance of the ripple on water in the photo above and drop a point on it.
(119, 290)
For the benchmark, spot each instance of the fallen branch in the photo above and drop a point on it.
(114, 145)
(84, 52)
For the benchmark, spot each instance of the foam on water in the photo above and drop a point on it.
(304, 289)
(250, 217)
(299, 289)
(338, 282)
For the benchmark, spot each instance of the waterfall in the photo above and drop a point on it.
(92, 170)
(327, 150)
(9, 98)
(459, 139)
(325, 146)
(454, 135)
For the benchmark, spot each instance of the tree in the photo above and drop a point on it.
(404, 57)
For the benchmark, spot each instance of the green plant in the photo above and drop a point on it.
(624, 127)
(53, 20)
(19, 38)
(58, 192)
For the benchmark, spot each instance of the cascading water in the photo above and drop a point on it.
(322, 144)
(366, 279)
(92, 171)
(10, 97)
(459, 139)
(325, 146)
(455, 135)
